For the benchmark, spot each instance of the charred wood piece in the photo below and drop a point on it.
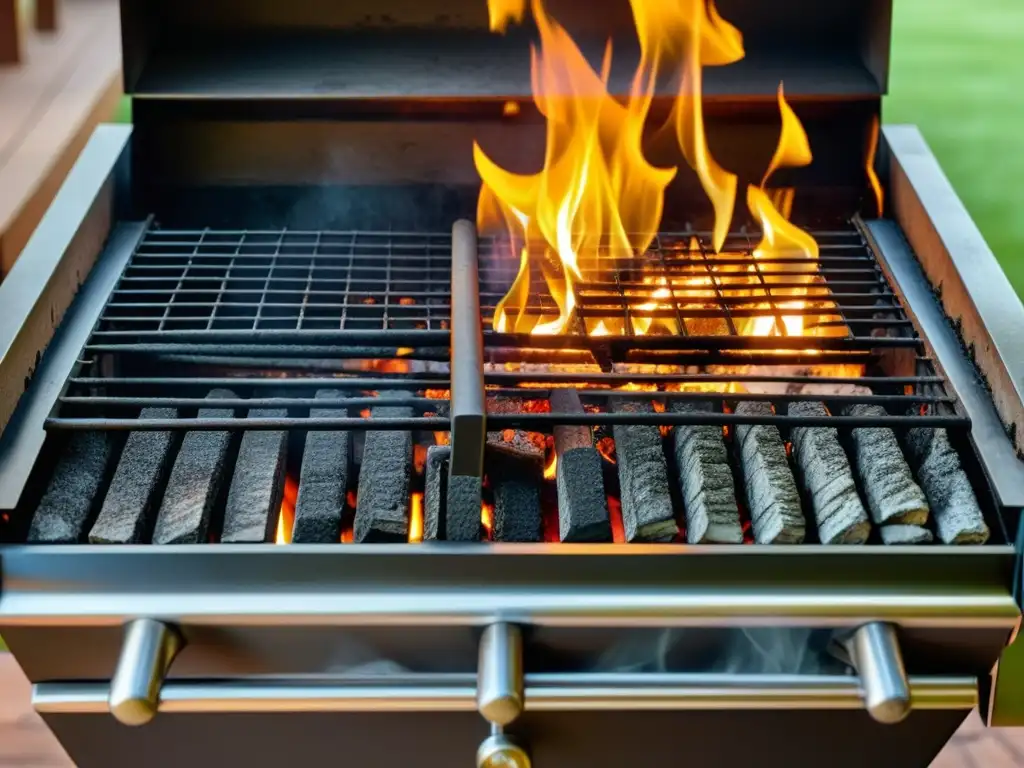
(129, 509)
(516, 485)
(895, 535)
(893, 497)
(74, 490)
(517, 442)
(582, 504)
(709, 493)
(254, 498)
(647, 513)
(323, 479)
(828, 480)
(955, 510)
(195, 481)
(435, 490)
(772, 496)
(382, 511)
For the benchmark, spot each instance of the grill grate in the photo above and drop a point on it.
(209, 281)
(506, 435)
(272, 316)
(275, 315)
(679, 295)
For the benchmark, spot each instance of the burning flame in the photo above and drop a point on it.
(416, 517)
(504, 12)
(690, 34)
(597, 198)
(487, 518)
(286, 517)
(876, 185)
(781, 238)
(551, 468)
(595, 189)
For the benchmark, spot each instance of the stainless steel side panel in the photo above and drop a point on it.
(39, 288)
(961, 268)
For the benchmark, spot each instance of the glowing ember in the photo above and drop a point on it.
(286, 517)
(487, 518)
(615, 515)
(419, 458)
(416, 517)
(606, 447)
(551, 468)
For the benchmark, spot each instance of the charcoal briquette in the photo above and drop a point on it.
(323, 479)
(955, 510)
(382, 510)
(647, 513)
(708, 489)
(828, 480)
(582, 504)
(254, 497)
(516, 485)
(462, 508)
(895, 535)
(892, 495)
(772, 496)
(73, 491)
(129, 509)
(195, 481)
(434, 490)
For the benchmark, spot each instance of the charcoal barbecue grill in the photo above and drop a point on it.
(275, 486)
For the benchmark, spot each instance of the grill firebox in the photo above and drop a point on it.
(212, 338)
(288, 478)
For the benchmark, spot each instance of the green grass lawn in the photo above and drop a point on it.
(958, 73)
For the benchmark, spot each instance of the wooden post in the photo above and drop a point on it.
(47, 15)
(10, 32)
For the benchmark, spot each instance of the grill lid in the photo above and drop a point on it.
(401, 50)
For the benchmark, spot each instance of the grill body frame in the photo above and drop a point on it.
(56, 597)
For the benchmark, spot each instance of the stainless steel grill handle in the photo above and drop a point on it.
(501, 691)
(148, 650)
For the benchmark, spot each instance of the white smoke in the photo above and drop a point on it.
(750, 651)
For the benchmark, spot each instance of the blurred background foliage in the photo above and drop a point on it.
(958, 73)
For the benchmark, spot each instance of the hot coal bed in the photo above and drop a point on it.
(220, 398)
(289, 480)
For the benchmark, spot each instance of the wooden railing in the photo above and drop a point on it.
(66, 80)
(46, 15)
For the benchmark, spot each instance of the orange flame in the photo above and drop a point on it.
(551, 468)
(781, 238)
(691, 34)
(487, 518)
(416, 517)
(504, 12)
(876, 185)
(595, 190)
(286, 517)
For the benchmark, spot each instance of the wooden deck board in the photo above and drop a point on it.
(69, 82)
(25, 742)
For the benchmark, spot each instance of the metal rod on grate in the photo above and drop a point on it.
(468, 411)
